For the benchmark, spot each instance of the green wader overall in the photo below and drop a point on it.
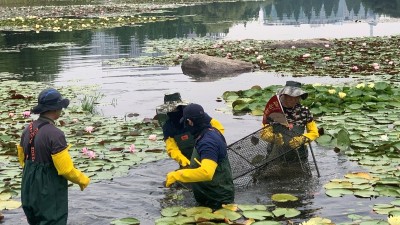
(185, 143)
(220, 190)
(44, 193)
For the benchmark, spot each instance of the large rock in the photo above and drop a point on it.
(199, 65)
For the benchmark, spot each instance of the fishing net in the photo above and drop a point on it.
(252, 157)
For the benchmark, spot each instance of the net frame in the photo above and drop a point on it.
(252, 157)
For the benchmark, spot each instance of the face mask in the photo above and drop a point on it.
(175, 116)
(199, 126)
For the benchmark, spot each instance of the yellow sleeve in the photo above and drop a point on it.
(217, 125)
(65, 167)
(312, 131)
(175, 153)
(203, 173)
(21, 155)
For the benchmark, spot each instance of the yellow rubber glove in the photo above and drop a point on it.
(21, 155)
(63, 163)
(298, 141)
(278, 138)
(217, 125)
(267, 134)
(174, 152)
(203, 173)
(312, 131)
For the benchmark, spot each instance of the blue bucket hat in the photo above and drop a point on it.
(50, 99)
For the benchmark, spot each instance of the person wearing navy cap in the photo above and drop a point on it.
(47, 165)
(210, 171)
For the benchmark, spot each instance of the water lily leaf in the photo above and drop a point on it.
(387, 180)
(325, 140)
(357, 181)
(343, 139)
(381, 85)
(229, 214)
(208, 216)
(244, 207)
(171, 211)
(286, 212)
(365, 193)
(195, 210)
(360, 145)
(166, 220)
(383, 206)
(266, 222)
(338, 185)
(338, 192)
(257, 214)
(395, 202)
(5, 196)
(10, 204)
(385, 211)
(355, 106)
(394, 212)
(389, 193)
(185, 220)
(362, 187)
(364, 175)
(232, 207)
(319, 221)
(355, 217)
(284, 197)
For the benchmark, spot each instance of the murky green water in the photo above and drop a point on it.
(77, 58)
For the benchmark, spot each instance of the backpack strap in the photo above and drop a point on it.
(31, 144)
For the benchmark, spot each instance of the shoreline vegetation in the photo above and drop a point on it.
(372, 138)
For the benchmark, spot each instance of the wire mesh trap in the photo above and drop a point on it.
(252, 157)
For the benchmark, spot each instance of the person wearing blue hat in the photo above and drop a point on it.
(210, 172)
(179, 143)
(47, 165)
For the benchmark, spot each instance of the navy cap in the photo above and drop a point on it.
(193, 111)
(50, 99)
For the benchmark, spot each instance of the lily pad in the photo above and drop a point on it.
(286, 212)
(257, 214)
(229, 214)
(196, 210)
(9, 204)
(171, 211)
(284, 198)
(338, 192)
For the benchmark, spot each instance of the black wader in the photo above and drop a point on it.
(185, 143)
(220, 190)
(44, 193)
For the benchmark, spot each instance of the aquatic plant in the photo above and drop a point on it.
(38, 24)
(377, 57)
(89, 102)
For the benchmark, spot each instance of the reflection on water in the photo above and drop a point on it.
(38, 56)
